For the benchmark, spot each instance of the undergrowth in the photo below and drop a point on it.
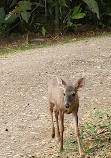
(95, 132)
(23, 47)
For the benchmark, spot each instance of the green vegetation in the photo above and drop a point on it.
(95, 134)
(51, 16)
(5, 52)
(23, 47)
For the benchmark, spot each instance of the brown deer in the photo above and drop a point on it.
(63, 95)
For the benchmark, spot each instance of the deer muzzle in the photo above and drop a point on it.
(67, 105)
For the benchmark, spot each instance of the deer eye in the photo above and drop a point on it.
(73, 94)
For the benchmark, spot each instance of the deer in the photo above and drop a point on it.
(63, 99)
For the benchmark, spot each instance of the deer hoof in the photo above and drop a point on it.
(53, 135)
(84, 156)
(87, 156)
(61, 148)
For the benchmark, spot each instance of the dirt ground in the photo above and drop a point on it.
(24, 115)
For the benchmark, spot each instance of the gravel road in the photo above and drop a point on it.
(24, 115)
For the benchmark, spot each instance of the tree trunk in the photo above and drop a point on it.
(56, 21)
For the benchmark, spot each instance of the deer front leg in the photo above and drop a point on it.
(52, 122)
(77, 134)
(56, 116)
(62, 129)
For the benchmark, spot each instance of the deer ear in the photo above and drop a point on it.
(60, 81)
(80, 83)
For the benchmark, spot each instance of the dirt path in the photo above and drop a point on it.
(24, 115)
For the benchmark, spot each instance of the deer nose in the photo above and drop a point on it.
(67, 106)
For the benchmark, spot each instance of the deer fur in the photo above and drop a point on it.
(63, 98)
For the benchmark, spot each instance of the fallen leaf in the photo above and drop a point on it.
(101, 131)
(89, 145)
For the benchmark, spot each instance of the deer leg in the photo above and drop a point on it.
(56, 116)
(77, 134)
(62, 129)
(52, 122)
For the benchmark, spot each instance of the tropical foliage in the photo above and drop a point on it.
(51, 16)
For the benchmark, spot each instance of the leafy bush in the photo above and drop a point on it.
(51, 16)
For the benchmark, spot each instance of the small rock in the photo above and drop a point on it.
(6, 129)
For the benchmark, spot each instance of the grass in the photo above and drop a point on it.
(5, 52)
(18, 49)
(99, 35)
(95, 136)
(23, 47)
(14, 50)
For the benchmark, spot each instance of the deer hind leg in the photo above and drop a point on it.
(78, 135)
(62, 130)
(57, 123)
(52, 121)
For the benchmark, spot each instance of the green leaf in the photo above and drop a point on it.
(64, 3)
(69, 23)
(77, 13)
(11, 19)
(76, 10)
(25, 15)
(78, 16)
(24, 5)
(43, 31)
(93, 6)
(2, 31)
(2, 14)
